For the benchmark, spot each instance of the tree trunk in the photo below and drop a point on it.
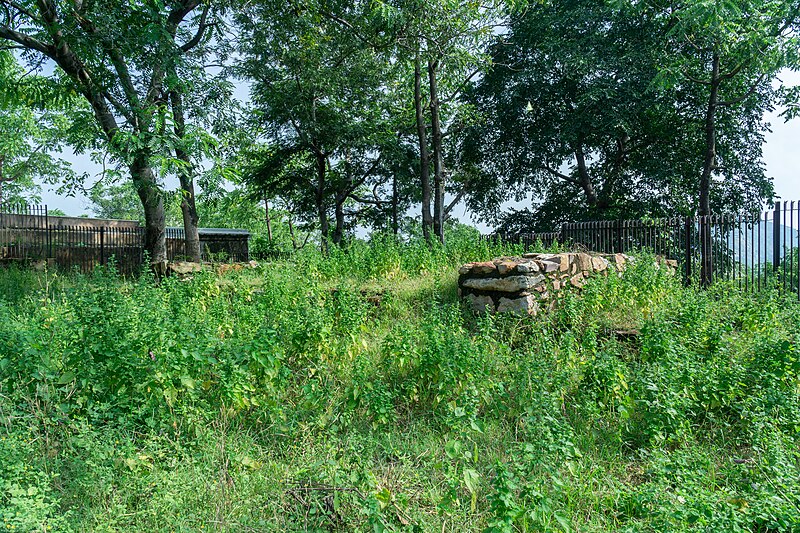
(319, 200)
(268, 220)
(188, 204)
(424, 158)
(395, 201)
(584, 178)
(436, 141)
(338, 230)
(709, 164)
(291, 231)
(146, 187)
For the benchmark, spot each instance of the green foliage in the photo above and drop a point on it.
(353, 392)
(34, 127)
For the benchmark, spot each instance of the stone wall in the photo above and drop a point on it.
(526, 284)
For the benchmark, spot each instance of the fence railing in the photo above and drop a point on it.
(29, 234)
(755, 251)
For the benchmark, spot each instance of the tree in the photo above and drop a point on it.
(123, 58)
(730, 51)
(575, 114)
(318, 93)
(443, 42)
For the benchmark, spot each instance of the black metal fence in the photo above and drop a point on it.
(755, 251)
(29, 235)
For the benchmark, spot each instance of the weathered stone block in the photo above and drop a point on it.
(481, 303)
(527, 267)
(550, 265)
(484, 268)
(584, 261)
(577, 280)
(508, 284)
(504, 267)
(519, 306)
(599, 264)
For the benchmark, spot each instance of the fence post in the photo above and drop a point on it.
(619, 237)
(688, 248)
(776, 237)
(47, 233)
(102, 245)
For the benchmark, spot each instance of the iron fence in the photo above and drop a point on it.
(752, 250)
(29, 235)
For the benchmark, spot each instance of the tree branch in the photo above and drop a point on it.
(201, 29)
(749, 92)
(568, 179)
(26, 41)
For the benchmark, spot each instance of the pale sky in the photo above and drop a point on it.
(781, 156)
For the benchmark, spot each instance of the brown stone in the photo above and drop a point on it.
(599, 264)
(483, 268)
(564, 262)
(556, 285)
(577, 280)
(504, 267)
(465, 269)
(584, 261)
(184, 267)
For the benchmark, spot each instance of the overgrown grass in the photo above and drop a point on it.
(354, 393)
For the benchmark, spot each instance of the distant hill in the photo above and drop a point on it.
(763, 233)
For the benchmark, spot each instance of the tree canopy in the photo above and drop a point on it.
(360, 113)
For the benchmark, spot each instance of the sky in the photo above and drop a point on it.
(781, 157)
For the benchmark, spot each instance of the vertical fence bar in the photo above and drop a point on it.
(783, 245)
(688, 248)
(102, 246)
(776, 237)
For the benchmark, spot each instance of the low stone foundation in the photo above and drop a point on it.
(523, 285)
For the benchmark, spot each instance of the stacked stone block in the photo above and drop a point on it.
(523, 285)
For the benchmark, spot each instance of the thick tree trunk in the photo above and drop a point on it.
(436, 141)
(709, 164)
(188, 204)
(424, 158)
(153, 204)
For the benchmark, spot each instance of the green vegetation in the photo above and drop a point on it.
(352, 392)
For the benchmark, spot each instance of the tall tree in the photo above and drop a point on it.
(443, 42)
(576, 117)
(318, 94)
(729, 52)
(119, 57)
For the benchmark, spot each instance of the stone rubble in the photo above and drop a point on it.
(523, 285)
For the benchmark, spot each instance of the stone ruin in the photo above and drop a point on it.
(523, 285)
